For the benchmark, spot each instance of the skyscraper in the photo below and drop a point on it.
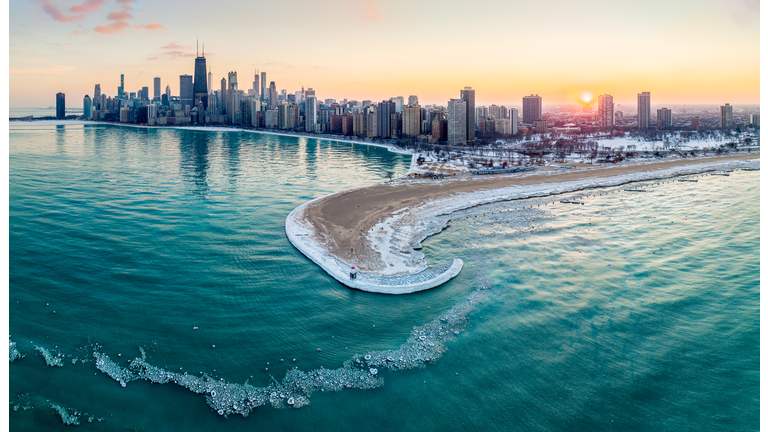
(223, 93)
(272, 95)
(97, 97)
(168, 92)
(156, 94)
(263, 86)
(87, 107)
(412, 120)
(310, 112)
(457, 121)
(531, 109)
(513, 121)
(754, 120)
(468, 96)
(726, 116)
(383, 118)
(210, 84)
(201, 84)
(60, 106)
(186, 91)
(256, 87)
(413, 100)
(121, 89)
(399, 101)
(664, 117)
(144, 93)
(605, 111)
(644, 110)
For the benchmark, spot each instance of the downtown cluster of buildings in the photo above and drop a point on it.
(199, 102)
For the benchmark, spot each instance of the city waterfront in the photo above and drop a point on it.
(630, 312)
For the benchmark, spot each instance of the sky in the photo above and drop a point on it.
(682, 51)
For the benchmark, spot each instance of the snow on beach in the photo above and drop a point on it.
(398, 235)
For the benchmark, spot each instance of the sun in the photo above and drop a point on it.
(587, 97)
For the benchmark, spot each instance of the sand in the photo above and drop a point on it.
(346, 223)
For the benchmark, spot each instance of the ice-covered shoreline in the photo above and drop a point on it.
(389, 147)
(408, 227)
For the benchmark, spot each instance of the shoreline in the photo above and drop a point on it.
(384, 239)
(389, 147)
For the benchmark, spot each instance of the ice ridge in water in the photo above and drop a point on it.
(425, 344)
(14, 353)
(66, 417)
(51, 359)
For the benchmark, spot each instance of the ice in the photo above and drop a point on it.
(14, 353)
(53, 360)
(66, 417)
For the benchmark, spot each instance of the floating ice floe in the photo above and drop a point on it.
(53, 360)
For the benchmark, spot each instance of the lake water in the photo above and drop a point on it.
(631, 312)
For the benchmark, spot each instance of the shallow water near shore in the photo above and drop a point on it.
(634, 311)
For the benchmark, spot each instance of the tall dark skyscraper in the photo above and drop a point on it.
(60, 106)
(468, 95)
(383, 118)
(201, 82)
(531, 109)
(186, 91)
(272, 95)
(157, 88)
(121, 89)
(263, 86)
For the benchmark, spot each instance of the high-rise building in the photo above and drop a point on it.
(411, 119)
(531, 109)
(605, 111)
(272, 95)
(60, 106)
(186, 91)
(87, 107)
(663, 118)
(121, 89)
(399, 102)
(644, 110)
(494, 111)
(210, 85)
(97, 97)
(754, 120)
(156, 94)
(223, 93)
(201, 81)
(168, 91)
(468, 96)
(726, 116)
(256, 88)
(413, 100)
(383, 118)
(310, 111)
(264, 86)
(513, 121)
(457, 121)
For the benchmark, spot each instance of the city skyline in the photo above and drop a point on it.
(54, 48)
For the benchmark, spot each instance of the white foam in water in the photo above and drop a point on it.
(14, 353)
(426, 344)
(66, 417)
(52, 360)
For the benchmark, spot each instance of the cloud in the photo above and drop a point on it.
(176, 54)
(56, 14)
(372, 16)
(117, 21)
(174, 46)
(87, 6)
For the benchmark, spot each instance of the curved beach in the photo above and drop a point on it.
(379, 229)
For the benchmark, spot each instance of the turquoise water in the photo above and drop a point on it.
(634, 311)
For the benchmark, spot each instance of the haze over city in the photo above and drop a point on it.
(693, 52)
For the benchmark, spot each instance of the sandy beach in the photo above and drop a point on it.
(376, 228)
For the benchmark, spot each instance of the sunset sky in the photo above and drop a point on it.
(682, 51)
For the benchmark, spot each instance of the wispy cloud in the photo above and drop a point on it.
(175, 46)
(117, 21)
